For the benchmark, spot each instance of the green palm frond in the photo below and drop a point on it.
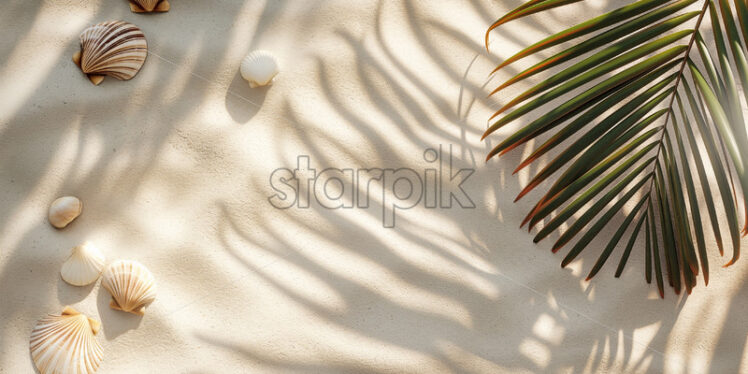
(658, 109)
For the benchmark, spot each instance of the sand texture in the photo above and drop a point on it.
(173, 168)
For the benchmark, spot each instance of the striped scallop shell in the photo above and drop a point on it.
(65, 343)
(131, 284)
(115, 48)
(147, 6)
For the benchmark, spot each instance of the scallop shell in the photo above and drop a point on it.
(147, 6)
(65, 343)
(64, 210)
(115, 48)
(259, 68)
(84, 265)
(131, 284)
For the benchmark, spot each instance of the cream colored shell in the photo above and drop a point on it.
(131, 284)
(64, 210)
(147, 6)
(65, 343)
(114, 48)
(84, 265)
(259, 68)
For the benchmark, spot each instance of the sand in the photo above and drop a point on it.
(174, 169)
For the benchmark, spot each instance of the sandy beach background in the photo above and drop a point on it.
(173, 168)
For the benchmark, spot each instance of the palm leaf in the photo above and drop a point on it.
(623, 139)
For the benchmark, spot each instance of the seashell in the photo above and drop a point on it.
(147, 6)
(115, 48)
(64, 210)
(259, 68)
(66, 343)
(131, 284)
(84, 265)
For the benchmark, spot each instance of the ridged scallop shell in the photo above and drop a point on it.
(115, 48)
(259, 68)
(65, 343)
(147, 6)
(64, 210)
(131, 284)
(84, 265)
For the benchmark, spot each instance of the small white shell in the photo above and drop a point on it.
(131, 284)
(64, 210)
(65, 343)
(84, 265)
(259, 68)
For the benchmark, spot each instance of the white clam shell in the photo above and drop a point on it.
(114, 48)
(131, 284)
(259, 68)
(64, 210)
(65, 343)
(84, 265)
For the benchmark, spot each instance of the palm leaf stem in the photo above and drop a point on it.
(680, 76)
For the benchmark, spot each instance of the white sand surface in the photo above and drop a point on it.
(174, 166)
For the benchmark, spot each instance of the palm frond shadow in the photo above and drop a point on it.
(416, 109)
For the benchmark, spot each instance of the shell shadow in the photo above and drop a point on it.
(243, 102)
(68, 294)
(114, 322)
